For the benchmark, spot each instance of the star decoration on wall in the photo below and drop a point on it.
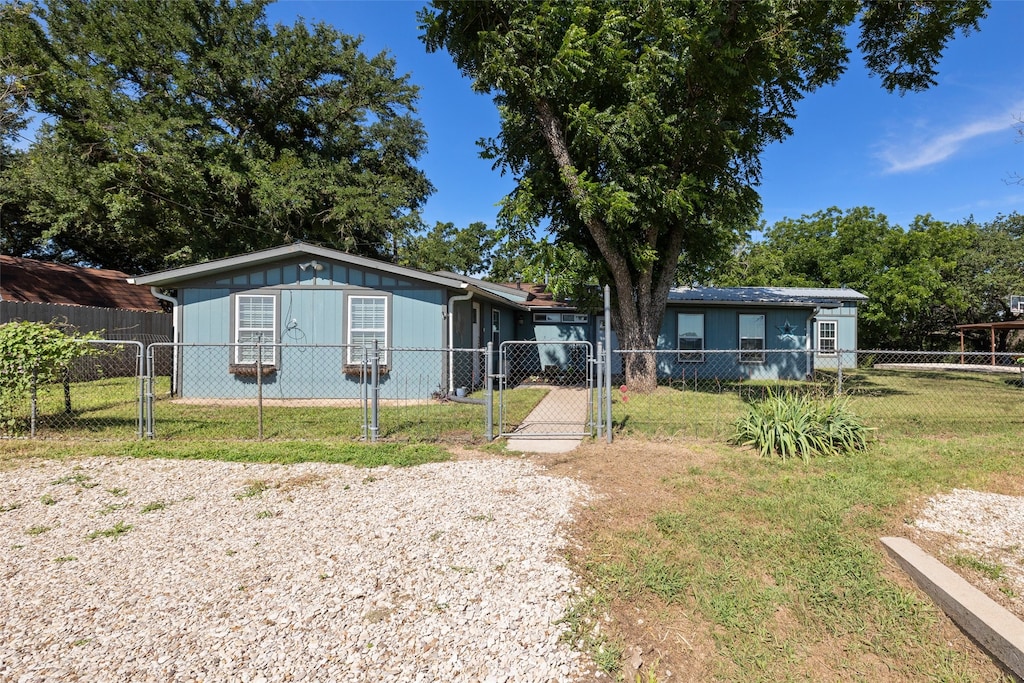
(786, 330)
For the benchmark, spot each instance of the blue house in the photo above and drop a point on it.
(756, 332)
(314, 311)
(297, 296)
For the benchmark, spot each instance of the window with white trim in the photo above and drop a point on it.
(255, 322)
(828, 333)
(367, 322)
(751, 338)
(690, 333)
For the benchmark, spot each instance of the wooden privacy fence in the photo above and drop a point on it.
(110, 323)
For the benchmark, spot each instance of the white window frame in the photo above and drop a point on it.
(834, 337)
(354, 352)
(751, 355)
(689, 355)
(269, 353)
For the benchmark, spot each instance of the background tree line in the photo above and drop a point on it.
(921, 281)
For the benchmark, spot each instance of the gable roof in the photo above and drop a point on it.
(175, 276)
(525, 297)
(828, 297)
(23, 279)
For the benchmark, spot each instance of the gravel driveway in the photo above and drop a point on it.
(162, 570)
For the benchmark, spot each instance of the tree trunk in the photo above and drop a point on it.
(640, 296)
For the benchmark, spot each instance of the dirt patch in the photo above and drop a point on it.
(630, 477)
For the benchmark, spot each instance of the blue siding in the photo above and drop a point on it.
(311, 311)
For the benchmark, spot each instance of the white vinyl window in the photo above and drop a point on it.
(751, 338)
(691, 337)
(255, 322)
(828, 331)
(367, 322)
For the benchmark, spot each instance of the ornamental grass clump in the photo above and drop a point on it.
(795, 425)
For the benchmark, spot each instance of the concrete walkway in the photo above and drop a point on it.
(547, 429)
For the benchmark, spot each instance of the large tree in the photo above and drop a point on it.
(190, 129)
(637, 126)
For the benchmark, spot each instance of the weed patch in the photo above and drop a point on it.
(119, 529)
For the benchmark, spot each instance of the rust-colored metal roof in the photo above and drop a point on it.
(999, 325)
(537, 295)
(23, 279)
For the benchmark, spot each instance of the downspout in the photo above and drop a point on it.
(807, 342)
(175, 331)
(450, 314)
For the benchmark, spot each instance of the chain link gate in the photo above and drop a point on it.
(566, 369)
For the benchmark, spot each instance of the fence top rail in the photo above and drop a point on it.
(111, 342)
(878, 352)
(552, 342)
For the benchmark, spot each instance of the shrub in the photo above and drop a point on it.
(30, 353)
(791, 425)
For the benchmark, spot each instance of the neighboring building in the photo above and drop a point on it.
(755, 332)
(89, 299)
(762, 323)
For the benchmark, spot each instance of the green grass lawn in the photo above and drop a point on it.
(776, 564)
(779, 562)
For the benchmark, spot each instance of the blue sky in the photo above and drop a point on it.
(949, 152)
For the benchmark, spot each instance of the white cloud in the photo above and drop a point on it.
(937, 146)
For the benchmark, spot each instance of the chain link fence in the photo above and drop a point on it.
(173, 391)
(701, 394)
(288, 391)
(98, 396)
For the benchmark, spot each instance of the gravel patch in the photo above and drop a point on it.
(162, 570)
(986, 527)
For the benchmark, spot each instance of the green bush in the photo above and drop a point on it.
(32, 353)
(791, 425)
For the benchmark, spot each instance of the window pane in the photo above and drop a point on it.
(367, 312)
(751, 326)
(827, 336)
(255, 323)
(751, 338)
(256, 312)
(367, 323)
(690, 337)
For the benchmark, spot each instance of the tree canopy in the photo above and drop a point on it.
(190, 129)
(637, 126)
(467, 251)
(921, 281)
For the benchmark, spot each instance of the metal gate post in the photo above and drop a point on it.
(374, 391)
(141, 369)
(489, 393)
(364, 395)
(259, 389)
(608, 362)
(151, 371)
(596, 407)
